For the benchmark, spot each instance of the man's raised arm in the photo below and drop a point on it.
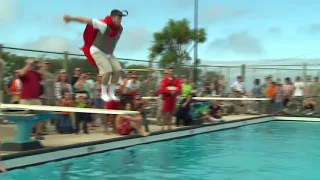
(68, 18)
(97, 24)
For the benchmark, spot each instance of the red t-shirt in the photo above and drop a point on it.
(31, 88)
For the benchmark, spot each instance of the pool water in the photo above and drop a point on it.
(274, 150)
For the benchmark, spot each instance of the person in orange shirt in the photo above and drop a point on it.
(15, 88)
(272, 91)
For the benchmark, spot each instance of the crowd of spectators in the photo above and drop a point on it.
(35, 85)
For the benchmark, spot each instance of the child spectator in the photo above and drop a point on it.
(215, 113)
(64, 123)
(82, 101)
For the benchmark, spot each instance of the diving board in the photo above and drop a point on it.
(217, 98)
(65, 109)
(25, 116)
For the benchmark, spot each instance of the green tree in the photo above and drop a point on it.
(172, 45)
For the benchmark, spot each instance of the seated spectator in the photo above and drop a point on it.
(309, 104)
(64, 123)
(125, 124)
(183, 115)
(214, 114)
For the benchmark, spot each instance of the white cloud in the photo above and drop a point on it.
(7, 10)
(242, 43)
(54, 44)
(222, 12)
(134, 39)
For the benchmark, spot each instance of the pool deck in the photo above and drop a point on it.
(53, 140)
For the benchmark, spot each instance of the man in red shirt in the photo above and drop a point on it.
(32, 90)
(170, 88)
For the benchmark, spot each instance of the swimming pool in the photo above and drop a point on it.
(272, 150)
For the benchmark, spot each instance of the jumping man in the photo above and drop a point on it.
(100, 39)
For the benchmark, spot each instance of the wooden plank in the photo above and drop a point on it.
(217, 98)
(64, 109)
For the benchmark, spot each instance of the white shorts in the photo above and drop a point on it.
(105, 62)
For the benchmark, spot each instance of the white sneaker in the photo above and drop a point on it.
(105, 98)
(113, 97)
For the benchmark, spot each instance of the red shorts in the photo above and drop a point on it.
(124, 128)
(169, 104)
(114, 105)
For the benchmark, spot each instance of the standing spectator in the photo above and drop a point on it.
(128, 77)
(287, 89)
(97, 101)
(170, 88)
(32, 90)
(272, 95)
(216, 85)
(298, 89)
(238, 86)
(207, 85)
(62, 86)
(15, 88)
(256, 90)
(184, 111)
(48, 83)
(147, 85)
(266, 85)
(222, 85)
(131, 89)
(278, 104)
(314, 95)
(76, 75)
(186, 87)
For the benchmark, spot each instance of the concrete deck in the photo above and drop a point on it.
(7, 132)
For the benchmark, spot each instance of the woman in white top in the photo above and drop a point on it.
(298, 88)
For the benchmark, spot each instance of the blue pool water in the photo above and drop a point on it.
(273, 150)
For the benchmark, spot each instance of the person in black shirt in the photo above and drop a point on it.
(76, 76)
(214, 114)
(183, 114)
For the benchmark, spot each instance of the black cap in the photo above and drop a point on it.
(117, 12)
